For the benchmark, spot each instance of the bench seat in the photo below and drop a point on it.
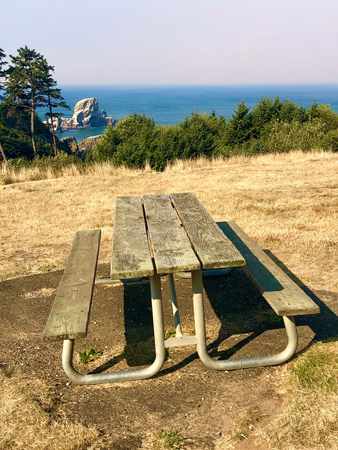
(284, 296)
(69, 316)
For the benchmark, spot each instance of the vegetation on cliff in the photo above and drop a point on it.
(272, 126)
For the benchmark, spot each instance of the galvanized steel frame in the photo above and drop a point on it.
(128, 375)
(243, 363)
(157, 312)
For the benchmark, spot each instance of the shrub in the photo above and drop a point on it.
(330, 141)
(56, 163)
(326, 115)
(197, 136)
(106, 146)
(165, 149)
(285, 137)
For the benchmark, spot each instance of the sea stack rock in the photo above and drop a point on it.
(86, 115)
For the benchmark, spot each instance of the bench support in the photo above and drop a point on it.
(176, 314)
(99, 378)
(243, 363)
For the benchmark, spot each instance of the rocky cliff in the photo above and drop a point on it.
(89, 143)
(86, 115)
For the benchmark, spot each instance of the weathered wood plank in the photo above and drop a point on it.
(128, 212)
(130, 254)
(213, 249)
(284, 296)
(158, 208)
(68, 318)
(171, 248)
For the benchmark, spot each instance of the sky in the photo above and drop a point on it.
(178, 42)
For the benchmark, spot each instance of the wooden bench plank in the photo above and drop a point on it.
(130, 254)
(171, 248)
(214, 250)
(284, 296)
(68, 318)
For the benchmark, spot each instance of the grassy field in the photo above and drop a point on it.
(287, 203)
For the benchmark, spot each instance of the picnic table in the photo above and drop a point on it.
(159, 235)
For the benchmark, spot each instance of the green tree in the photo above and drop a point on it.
(106, 146)
(26, 85)
(129, 143)
(130, 126)
(239, 128)
(325, 114)
(266, 112)
(165, 148)
(54, 99)
(290, 112)
(137, 134)
(197, 135)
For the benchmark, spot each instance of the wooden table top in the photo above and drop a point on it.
(167, 234)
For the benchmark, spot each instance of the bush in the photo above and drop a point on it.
(330, 141)
(165, 148)
(285, 137)
(56, 163)
(326, 115)
(137, 135)
(59, 162)
(197, 136)
(106, 146)
(128, 143)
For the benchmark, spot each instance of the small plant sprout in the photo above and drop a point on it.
(47, 268)
(168, 439)
(89, 355)
(170, 333)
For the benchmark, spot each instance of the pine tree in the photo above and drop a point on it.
(26, 83)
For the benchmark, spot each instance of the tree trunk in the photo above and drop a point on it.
(3, 154)
(32, 125)
(52, 124)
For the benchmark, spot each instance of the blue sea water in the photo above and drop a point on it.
(171, 104)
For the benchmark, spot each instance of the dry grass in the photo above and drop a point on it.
(9, 176)
(27, 422)
(245, 424)
(287, 203)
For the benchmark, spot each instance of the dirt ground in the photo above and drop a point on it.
(200, 403)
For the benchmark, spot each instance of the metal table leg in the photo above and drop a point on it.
(257, 361)
(156, 302)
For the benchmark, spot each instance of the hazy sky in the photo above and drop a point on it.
(178, 41)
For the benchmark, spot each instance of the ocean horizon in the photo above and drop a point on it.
(171, 104)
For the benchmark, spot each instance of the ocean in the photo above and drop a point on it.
(171, 104)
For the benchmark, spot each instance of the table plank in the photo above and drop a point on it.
(171, 248)
(130, 254)
(68, 318)
(213, 249)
